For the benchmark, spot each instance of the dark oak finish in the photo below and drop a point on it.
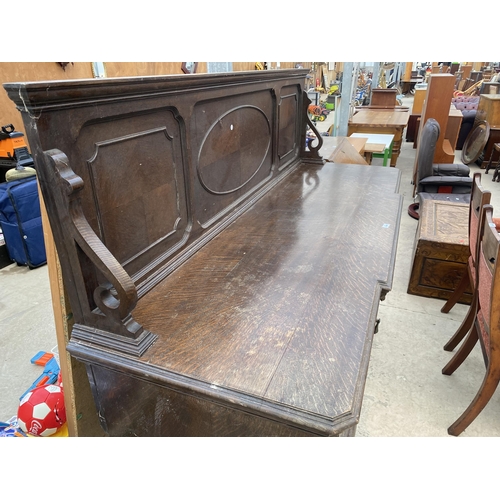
(224, 280)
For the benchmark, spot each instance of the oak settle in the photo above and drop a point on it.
(224, 280)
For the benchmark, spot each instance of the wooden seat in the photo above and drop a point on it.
(486, 325)
(479, 197)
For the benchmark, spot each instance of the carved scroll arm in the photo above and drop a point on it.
(313, 153)
(118, 297)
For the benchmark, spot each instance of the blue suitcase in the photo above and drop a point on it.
(21, 222)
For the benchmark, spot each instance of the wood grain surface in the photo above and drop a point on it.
(282, 304)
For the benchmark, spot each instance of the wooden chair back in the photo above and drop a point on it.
(479, 198)
(488, 315)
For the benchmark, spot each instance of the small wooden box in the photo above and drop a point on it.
(441, 250)
(384, 97)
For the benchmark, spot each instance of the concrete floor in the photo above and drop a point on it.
(406, 394)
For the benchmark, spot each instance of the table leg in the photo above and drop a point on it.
(490, 162)
(387, 154)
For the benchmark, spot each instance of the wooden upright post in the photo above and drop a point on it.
(407, 75)
(437, 105)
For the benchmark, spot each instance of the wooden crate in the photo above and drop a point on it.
(441, 250)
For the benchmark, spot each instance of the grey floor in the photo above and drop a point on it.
(406, 394)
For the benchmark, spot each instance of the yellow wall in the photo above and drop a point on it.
(119, 69)
(36, 71)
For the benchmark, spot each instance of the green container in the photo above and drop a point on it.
(329, 105)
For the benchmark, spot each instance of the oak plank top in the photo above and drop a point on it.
(381, 117)
(280, 307)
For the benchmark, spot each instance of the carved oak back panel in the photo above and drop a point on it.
(165, 163)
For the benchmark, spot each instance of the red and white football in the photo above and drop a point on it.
(41, 412)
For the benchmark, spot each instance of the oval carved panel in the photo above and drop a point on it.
(234, 149)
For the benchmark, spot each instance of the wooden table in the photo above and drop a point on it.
(381, 121)
(489, 149)
(441, 250)
(378, 145)
(344, 150)
(410, 84)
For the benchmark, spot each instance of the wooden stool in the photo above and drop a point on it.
(496, 173)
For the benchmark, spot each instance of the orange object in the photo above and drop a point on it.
(10, 141)
(42, 360)
(314, 110)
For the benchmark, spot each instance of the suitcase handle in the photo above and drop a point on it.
(10, 127)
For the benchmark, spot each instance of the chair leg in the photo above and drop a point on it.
(464, 328)
(457, 293)
(477, 405)
(460, 356)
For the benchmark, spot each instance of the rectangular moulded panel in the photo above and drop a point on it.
(177, 414)
(288, 131)
(135, 197)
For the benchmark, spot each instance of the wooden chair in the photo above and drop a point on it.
(479, 198)
(486, 327)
